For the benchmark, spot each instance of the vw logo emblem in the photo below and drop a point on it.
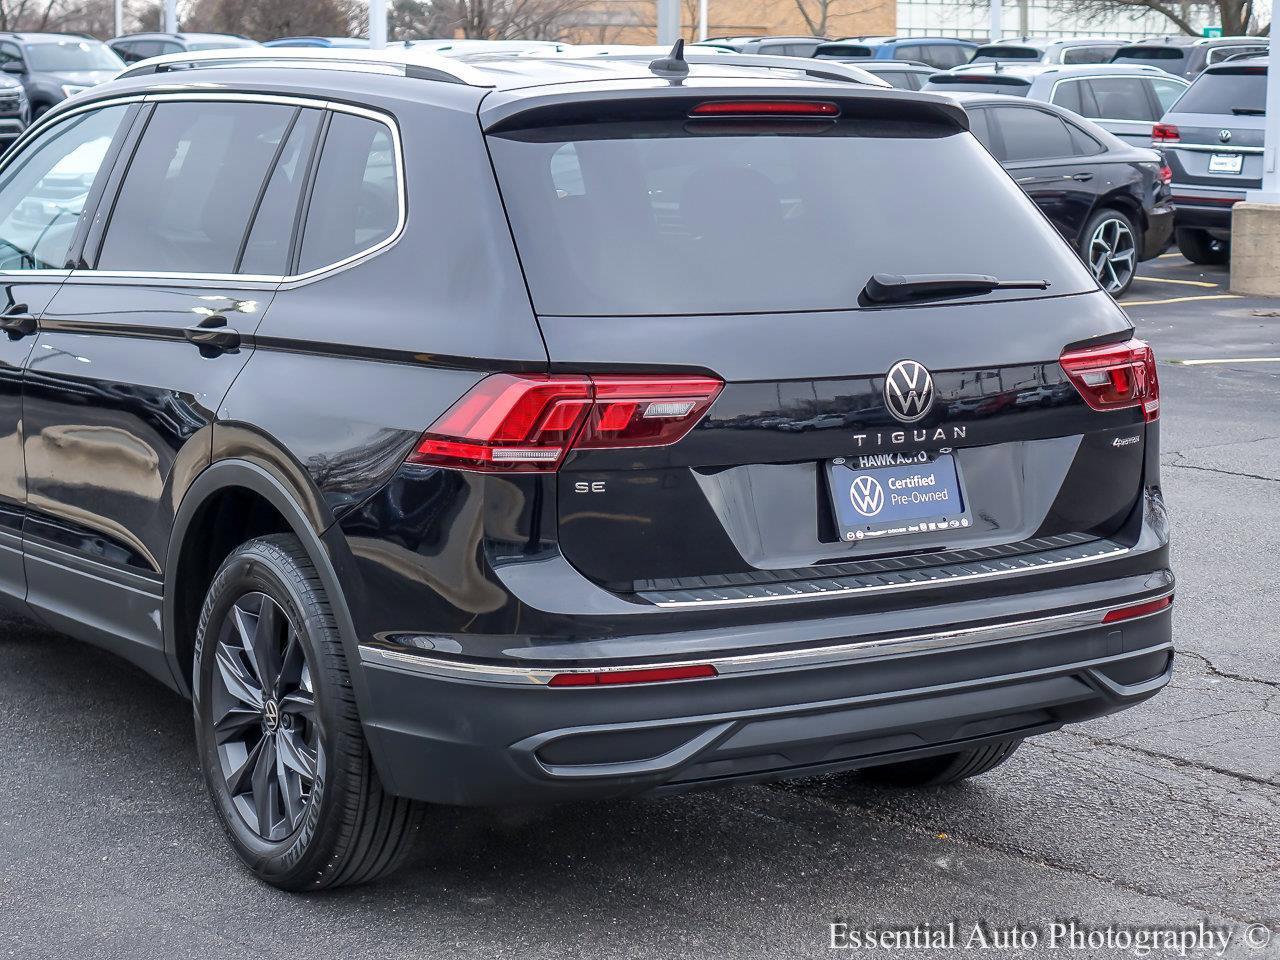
(271, 715)
(866, 495)
(908, 391)
(1224, 136)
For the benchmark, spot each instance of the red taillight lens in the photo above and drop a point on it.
(1165, 133)
(1116, 376)
(766, 108)
(606, 678)
(517, 423)
(1166, 174)
(1137, 610)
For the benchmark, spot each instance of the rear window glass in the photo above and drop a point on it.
(1087, 54)
(1231, 93)
(1147, 55)
(838, 51)
(1005, 53)
(648, 218)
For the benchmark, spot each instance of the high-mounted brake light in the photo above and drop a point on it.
(1165, 133)
(519, 423)
(1137, 610)
(607, 678)
(766, 108)
(1116, 376)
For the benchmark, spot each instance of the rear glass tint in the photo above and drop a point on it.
(1006, 53)
(1162, 55)
(644, 218)
(1225, 93)
(963, 83)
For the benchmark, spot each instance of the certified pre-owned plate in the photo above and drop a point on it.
(1226, 163)
(919, 495)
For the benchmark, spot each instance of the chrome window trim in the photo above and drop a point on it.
(231, 97)
(778, 660)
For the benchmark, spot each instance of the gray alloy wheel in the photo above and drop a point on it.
(264, 717)
(1112, 253)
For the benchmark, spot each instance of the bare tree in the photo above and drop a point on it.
(486, 19)
(262, 21)
(822, 15)
(1235, 16)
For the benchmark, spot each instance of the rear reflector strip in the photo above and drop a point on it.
(1138, 610)
(606, 678)
(766, 108)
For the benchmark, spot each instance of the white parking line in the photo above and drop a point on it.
(1150, 303)
(1200, 363)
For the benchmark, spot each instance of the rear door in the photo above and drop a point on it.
(739, 248)
(138, 348)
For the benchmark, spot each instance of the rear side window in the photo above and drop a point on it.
(1218, 54)
(1167, 92)
(658, 217)
(1069, 95)
(1238, 91)
(1030, 134)
(267, 246)
(355, 204)
(1119, 98)
(192, 185)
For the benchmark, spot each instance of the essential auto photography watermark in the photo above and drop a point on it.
(1055, 936)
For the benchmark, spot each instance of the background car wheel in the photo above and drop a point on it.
(277, 730)
(1110, 248)
(1198, 247)
(40, 111)
(943, 769)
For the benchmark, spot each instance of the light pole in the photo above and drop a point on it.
(1270, 192)
(702, 19)
(170, 16)
(377, 24)
(668, 21)
(119, 24)
(997, 20)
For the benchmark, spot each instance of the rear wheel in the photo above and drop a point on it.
(277, 730)
(943, 769)
(1198, 247)
(1110, 248)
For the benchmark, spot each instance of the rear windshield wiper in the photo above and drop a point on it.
(899, 288)
(1249, 111)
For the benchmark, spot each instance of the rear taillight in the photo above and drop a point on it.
(1165, 133)
(1137, 610)
(766, 108)
(1116, 376)
(519, 423)
(1166, 174)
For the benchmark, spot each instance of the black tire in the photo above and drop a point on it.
(39, 111)
(338, 827)
(1110, 246)
(1198, 247)
(943, 769)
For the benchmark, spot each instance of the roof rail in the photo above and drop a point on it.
(816, 69)
(399, 61)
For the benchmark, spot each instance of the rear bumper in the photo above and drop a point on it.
(1159, 233)
(1205, 208)
(476, 734)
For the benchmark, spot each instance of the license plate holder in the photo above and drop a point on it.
(1226, 163)
(917, 494)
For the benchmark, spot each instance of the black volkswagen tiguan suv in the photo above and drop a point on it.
(550, 429)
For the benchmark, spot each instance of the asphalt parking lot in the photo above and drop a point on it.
(1161, 816)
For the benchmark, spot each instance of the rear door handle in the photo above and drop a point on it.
(17, 322)
(1082, 177)
(213, 336)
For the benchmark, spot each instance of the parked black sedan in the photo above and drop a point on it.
(1112, 201)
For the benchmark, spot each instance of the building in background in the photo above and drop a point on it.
(634, 21)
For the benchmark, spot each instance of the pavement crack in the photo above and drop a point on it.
(1175, 761)
(1225, 674)
(1229, 473)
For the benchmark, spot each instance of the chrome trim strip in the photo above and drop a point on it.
(236, 278)
(1209, 148)
(881, 588)
(749, 663)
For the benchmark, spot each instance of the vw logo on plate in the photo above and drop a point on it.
(908, 391)
(867, 495)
